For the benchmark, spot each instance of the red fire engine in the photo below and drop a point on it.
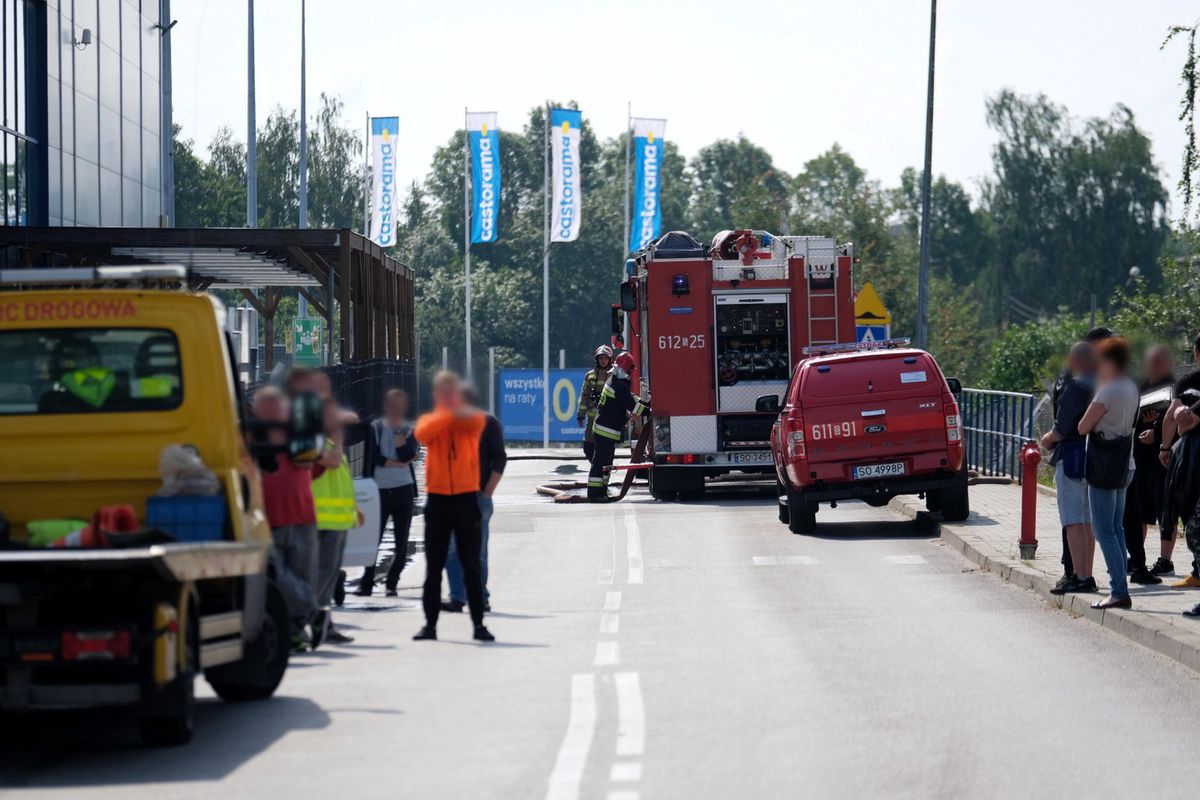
(716, 331)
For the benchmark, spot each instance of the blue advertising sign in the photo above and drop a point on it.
(519, 401)
(648, 147)
(484, 137)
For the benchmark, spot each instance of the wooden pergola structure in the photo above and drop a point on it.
(330, 268)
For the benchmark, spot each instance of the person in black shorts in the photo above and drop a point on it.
(1144, 497)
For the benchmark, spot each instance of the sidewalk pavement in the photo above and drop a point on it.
(572, 453)
(989, 538)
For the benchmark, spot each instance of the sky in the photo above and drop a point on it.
(794, 76)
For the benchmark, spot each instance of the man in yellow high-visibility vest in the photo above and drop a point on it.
(337, 513)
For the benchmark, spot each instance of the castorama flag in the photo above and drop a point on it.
(567, 193)
(648, 147)
(485, 175)
(383, 180)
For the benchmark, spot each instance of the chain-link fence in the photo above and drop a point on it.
(997, 424)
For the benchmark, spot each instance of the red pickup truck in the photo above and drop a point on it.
(868, 423)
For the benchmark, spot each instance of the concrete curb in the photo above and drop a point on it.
(1179, 645)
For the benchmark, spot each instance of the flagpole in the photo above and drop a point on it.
(628, 143)
(366, 179)
(467, 234)
(546, 281)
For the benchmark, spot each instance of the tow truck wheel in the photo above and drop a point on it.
(955, 502)
(264, 661)
(169, 717)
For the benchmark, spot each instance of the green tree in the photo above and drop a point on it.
(736, 185)
(1073, 207)
(960, 237)
(1026, 357)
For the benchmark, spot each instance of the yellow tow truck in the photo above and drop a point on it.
(97, 381)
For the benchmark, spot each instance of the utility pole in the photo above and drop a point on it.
(251, 143)
(926, 183)
(303, 222)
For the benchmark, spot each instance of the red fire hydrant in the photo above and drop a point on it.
(1031, 456)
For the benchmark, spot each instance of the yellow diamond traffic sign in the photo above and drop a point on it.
(868, 308)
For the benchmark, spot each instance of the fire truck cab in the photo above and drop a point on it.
(716, 330)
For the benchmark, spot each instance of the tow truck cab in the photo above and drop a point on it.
(714, 329)
(868, 423)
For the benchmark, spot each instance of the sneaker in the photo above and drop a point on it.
(1190, 582)
(1066, 583)
(317, 629)
(426, 634)
(453, 606)
(482, 634)
(1193, 613)
(391, 593)
(337, 637)
(1143, 576)
(363, 590)
(1086, 585)
(298, 645)
(1163, 567)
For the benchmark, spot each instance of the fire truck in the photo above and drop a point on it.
(715, 331)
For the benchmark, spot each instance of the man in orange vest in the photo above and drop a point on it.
(450, 434)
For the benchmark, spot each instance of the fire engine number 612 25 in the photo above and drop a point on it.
(695, 341)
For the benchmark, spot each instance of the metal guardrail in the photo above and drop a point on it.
(996, 425)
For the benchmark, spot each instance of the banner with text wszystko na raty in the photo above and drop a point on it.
(484, 137)
(648, 147)
(566, 198)
(519, 403)
(383, 180)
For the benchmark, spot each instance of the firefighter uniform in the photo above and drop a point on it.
(589, 399)
(617, 403)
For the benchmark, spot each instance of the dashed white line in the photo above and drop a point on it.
(623, 794)
(904, 559)
(607, 654)
(567, 775)
(625, 771)
(605, 578)
(633, 548)
(786, 561)
(610, 621)
(631, 716)
(612, 601)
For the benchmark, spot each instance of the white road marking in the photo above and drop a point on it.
(633, 548)
(612, 601)
(623, 794)
(607, 654)
(904, 559)
(624, 771)
(605, 578)
(631, 724)
(568, 770)
(788, 561)
(609, 622)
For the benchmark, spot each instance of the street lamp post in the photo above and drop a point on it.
(926, 182)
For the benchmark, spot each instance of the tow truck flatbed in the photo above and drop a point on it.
(181, 562)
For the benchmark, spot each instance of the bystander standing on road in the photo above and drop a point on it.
(288, 501)
(1108, 424)
(1094, 336)
(1074, 393)
(450, 434)
(1144, 498)
(1179, 454)
(337, 513)
(391, 450)
(492, 460)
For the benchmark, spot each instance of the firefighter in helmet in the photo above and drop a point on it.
(589, 396)
(617, 404)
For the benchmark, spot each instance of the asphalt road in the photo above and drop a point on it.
(677, 651)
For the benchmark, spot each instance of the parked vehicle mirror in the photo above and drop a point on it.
(618, 321)
(767, 404)
(629, 298)
(955, 386)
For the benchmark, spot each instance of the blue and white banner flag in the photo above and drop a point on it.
(567, 194)
(383, 180)
(648, 148)
(484, 137)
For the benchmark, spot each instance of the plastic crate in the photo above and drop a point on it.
(189, 518)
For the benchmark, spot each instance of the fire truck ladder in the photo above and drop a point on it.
(832, 294)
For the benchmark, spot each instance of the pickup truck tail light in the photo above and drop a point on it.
(795, 440)
(953, 429)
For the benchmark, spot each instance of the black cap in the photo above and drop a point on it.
(1098, 334)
